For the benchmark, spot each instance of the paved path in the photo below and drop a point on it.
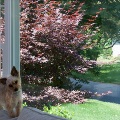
(109, 92)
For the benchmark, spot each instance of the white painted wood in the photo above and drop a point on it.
(11, 48)
(7, 44)
(15, 35)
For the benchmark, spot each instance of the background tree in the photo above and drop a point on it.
(51, 40)
(108, 20)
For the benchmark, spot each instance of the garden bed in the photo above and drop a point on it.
(38, 96)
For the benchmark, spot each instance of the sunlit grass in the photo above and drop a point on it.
(94, 110)
(109, 73)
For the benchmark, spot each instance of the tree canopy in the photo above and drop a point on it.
(109, 18)
(51, 40)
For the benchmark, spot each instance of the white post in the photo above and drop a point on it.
(15, 34)
(11, 49)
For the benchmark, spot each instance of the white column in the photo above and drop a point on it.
(11, 49)
(15, 34)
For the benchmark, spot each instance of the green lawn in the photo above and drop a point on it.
(109, 74)
(94, 110)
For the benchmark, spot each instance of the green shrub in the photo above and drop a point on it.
(59, 111)
(25, 104)
(106, 53)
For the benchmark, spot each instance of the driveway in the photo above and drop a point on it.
(103, 91)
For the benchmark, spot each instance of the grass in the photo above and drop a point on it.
(110, 73)
(94, 110)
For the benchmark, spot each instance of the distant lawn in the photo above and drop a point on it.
(110, 73)
(94, 110)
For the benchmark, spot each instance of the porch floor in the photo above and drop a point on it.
(29, 113)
